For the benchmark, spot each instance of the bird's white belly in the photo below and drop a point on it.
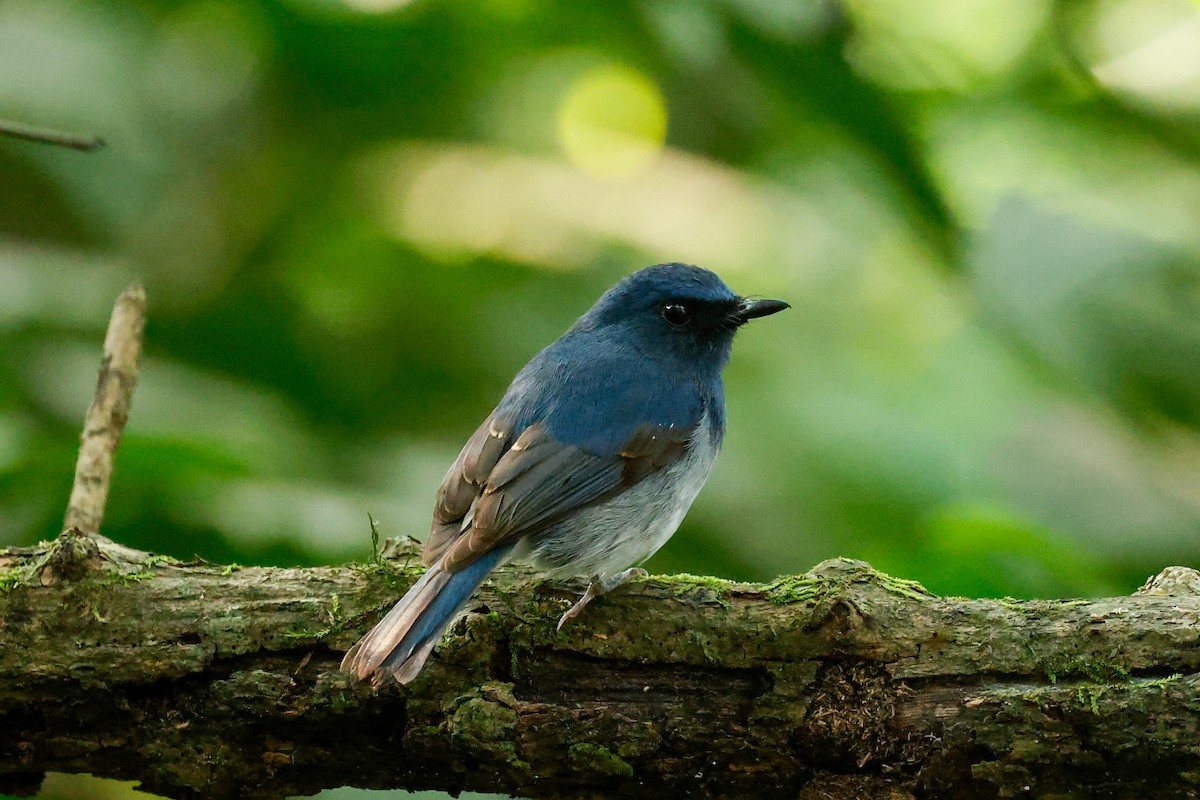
(606, 538)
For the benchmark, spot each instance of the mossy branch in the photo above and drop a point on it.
(208, 682)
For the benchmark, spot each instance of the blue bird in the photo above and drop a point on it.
(588, 464)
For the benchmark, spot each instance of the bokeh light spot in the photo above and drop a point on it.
(613, 122)
(375, 6)
(1149, 49)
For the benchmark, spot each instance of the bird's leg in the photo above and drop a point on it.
(598, 587)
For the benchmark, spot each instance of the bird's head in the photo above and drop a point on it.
(677, 309)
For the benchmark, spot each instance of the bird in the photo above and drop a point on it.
(588, 464)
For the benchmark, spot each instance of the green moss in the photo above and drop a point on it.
(333, 614)
(597, 760)
(903, 587)
(796, 589)
(335, 610)
(302, 634)
(1158, 683)
(1089, 694)
(124, 578)
(834, 577)
(68, 557)
(637, 740)
(398, 578)
(483, 722)
(487, 728)
(1094, 670)
(15, 576)
(1090, 680)
(1115, 678)
(1036, 607)
(704, 588)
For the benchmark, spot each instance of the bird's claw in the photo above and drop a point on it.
(598, 587)
(573, 611)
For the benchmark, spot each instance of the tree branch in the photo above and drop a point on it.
(210, 682)
(108, 413)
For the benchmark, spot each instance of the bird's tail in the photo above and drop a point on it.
(397, 647)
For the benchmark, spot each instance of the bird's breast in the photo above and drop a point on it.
(626, 530)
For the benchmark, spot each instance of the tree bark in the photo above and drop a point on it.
(204, 681)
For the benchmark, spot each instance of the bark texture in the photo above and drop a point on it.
(204, 681)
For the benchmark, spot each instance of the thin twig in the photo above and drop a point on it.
(108, 413)
(31, 133)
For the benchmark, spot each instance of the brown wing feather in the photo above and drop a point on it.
(463, 483)
(514, 488)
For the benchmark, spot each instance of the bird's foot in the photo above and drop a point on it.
(598, 587)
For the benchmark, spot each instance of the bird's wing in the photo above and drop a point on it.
(463, 483)
(501, 489)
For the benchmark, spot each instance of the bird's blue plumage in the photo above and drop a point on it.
(588, 463)
(595, 394)
(612, 371)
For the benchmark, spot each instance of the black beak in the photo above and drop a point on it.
(749, 309)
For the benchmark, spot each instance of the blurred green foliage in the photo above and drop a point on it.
(356, 219)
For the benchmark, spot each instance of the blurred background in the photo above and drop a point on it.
(356, 219)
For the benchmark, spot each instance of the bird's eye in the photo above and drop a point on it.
(676, 314)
